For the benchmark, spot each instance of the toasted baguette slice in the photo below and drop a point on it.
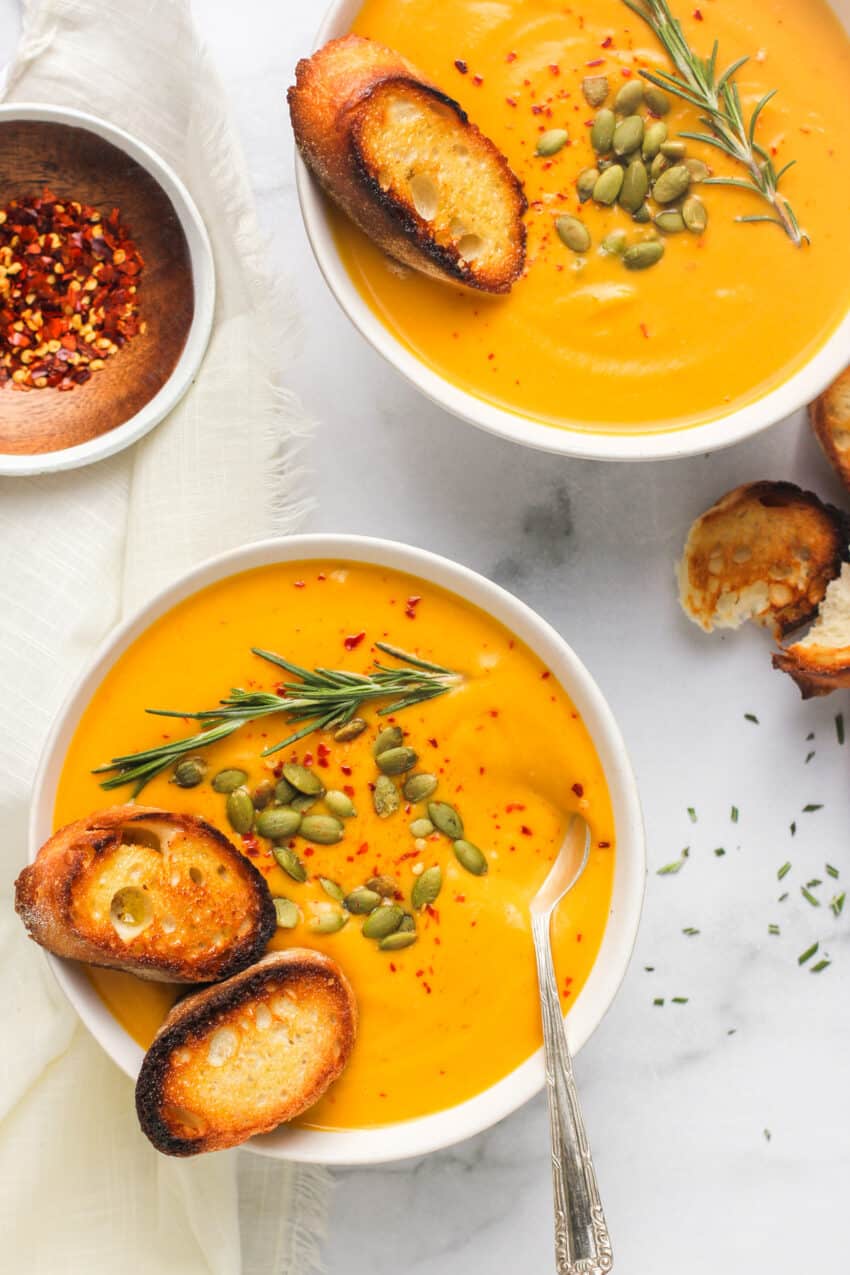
(829, 416)
(765, 552)
(404, 162)
(242, 1057)
(159, 895)
(820, 662)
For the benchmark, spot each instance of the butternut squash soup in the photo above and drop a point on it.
(719, 311)
(477, 781)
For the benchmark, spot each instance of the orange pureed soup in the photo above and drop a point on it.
(445, 1018)
(727, 315)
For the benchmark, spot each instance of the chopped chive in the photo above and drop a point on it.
(809, 897)
(731, 1031)
(659, 1000)
(734, 814)
(767, 1135)
(692, 814)
(679, 1000)
(773, 929)
(783, 897)
(783, 871)
(690, 931)
(720, 852)
(650, 969)
(831, 871)
(820, 966)
(793, 829)
(809, 757)
(837, 904)
(808, 809)
(675, 866)
(839, 727)
(751, 717)
(815, 881)
(808, 954)
(810, 736)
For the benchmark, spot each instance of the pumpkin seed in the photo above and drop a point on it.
(671, 185)
(653, 138)
(670, 221)
(573, 233)
(362, 900)
(422, 827)
(395, 761)
(228, 780)
(585, 183)
(643, 215)
(426, 887)
(628, 135)
(673, 150)
(350, 730)
(302, 803)
(659, 165)
(287, 859)
(385, 886)
(657, 100)
(609, 185)
(287, 913)
(615, 243)
(635, 186)
(419, 787)
(189, 772)
(640, 256)
(389, 737)
(262, 794)
(303, 779)
(327, 923)
(278, 824)
(323, 829)
(552, 141)
(695, 214)
(602, 133)
(446, 819)
(697, 169)
(407, 926)
(470, 857)
(383, 921)
(395, 942)
(284, 792)
(240, 810)
(595, 89)
(385, 797)
(339, 804)
(332, 890)
(629, 98)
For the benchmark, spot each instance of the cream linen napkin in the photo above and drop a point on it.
(80, 1188)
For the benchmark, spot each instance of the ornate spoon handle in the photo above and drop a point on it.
(582, 1243)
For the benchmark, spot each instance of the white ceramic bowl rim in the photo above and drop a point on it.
(801, 388)
(203, 278)
(428, 1133)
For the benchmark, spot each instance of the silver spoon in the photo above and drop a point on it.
(582, 1243)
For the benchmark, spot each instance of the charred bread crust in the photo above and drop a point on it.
(329, 104)
(786, 606)
(812, 682)
(191, 1020)
(45, 894)
(829, 417)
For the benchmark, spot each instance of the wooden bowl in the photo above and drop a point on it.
(84, 158)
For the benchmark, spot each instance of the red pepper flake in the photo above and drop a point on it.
(645, 330)
(578, 789)
(348, 789)
(626, 72)
(537, 110)
(596, 62)
(526, 831)
(461, 66)
(427, 987)
(308, 759)
(250, 844)
(309, 852)
(698, 15)
(351, 643)
(321, 576)
(433, 743)
(511, 57)
(512, 806)
(511, 101)
(494, 712)
(477, 80)
(298, 584)
(604, 845)
(607, 42)
(554, 68)
(393, 967)
(432, 912)
(460, 898)
(346, 769)
(545, 674)
(364, 849)
(579, 938)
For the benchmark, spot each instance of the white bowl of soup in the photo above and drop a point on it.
(449, 1035)
(734, 329)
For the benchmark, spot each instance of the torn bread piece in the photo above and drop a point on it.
(242, 1057)
(765, 552)
(820, 662)
(829, 417)
(161, 895)
(402, 159)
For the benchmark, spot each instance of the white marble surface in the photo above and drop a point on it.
(677, 1106)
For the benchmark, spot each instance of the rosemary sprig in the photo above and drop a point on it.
(717, 97)
(321, 699)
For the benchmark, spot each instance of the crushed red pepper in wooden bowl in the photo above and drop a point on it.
(69, 281)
